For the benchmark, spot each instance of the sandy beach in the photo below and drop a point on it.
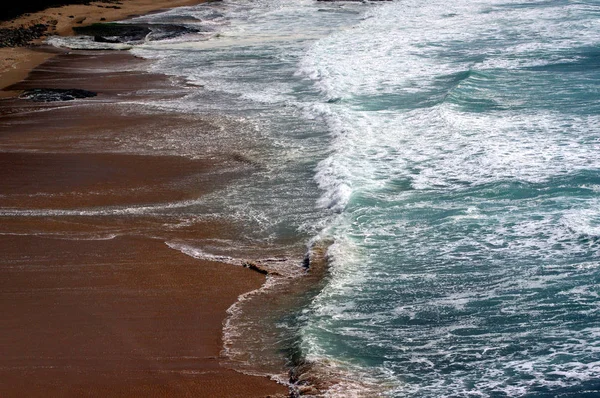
(301, 199)
(16, 63)
(118, 317)
(94, 303)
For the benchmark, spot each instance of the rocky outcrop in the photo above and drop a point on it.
(114, 32)
(55, 94)
(128, 33)
(17, 37)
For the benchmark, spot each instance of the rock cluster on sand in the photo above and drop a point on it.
(55, 94)
(18, 37)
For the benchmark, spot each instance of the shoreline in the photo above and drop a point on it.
(94, 300)
(17, 62)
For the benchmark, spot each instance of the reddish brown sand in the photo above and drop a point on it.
(120, 317)
(16, 63)
(98, 305)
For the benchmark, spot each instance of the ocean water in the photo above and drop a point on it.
(449, 150)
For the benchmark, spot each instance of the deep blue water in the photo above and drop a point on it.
(451, 151)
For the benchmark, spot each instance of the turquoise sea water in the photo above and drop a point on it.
(451, 150)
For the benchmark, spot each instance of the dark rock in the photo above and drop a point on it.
(128, 33)
(164, 32)
(115, 31)
(100, 39)
(16, 37)
(306, 261)
(55, 94)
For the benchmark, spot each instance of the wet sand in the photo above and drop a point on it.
(120, 317)
(16, 63)
(93, 301)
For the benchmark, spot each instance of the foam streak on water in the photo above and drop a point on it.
(465, 168)
(450, 149)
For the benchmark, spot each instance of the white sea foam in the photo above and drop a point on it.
(85, 43)
(202, 255)
(100, 211)
(65, 236)
(391, 158)
(584, 222)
